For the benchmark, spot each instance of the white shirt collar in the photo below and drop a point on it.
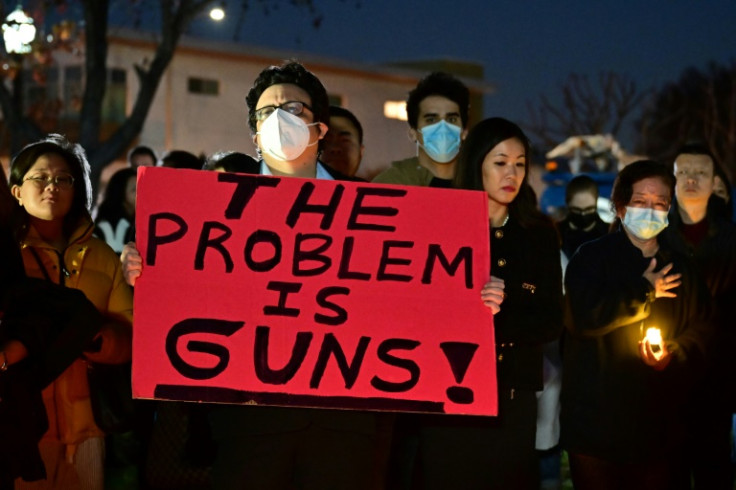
(322, 174)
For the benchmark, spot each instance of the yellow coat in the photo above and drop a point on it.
(90, 265)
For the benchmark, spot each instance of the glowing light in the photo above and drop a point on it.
(217, 13)
(18, 32)
(654, 337)
(395, 109)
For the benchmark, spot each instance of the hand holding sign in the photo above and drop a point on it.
(132, 263)
(493, 294)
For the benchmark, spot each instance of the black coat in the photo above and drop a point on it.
(56, 325)
(528, 260)
(715, 257)
(572, 238)
(614, 406)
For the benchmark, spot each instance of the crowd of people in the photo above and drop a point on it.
(613, 341)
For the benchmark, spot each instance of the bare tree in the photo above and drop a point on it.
(175, 17)
(700, 106)
(585, 108)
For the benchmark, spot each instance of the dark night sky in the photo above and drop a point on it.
(526, 48)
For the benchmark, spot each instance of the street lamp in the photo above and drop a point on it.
(18, 32)
(217, 13)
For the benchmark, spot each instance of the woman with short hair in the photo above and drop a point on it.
(623, 390)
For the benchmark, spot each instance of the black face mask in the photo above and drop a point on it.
(581, 221)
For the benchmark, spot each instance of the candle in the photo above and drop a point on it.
(654, 337)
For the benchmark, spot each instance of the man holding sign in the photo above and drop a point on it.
(342, 355)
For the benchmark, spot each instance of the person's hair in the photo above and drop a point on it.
(142, 150)
(696, 148)
(230, 161)
(623, 186)
(293, 73)
(337, 111)
(7, 203)
(444, 85)
(74, 156)
(181, 159)
(578, 185)
(111, 207)
(720, 172)
(481, 139)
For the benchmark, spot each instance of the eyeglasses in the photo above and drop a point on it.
(64, 182)
(294, 107)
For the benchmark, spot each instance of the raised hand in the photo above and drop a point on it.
(662, 282)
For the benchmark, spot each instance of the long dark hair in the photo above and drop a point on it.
(112, 208)
(481, 139)
(7, 203)
(75, 158)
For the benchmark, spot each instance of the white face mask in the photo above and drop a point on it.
(645, 223)
(284, 136)
(441, 141)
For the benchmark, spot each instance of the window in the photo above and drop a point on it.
(336, 100)
(395, 109)
(203, 86)
(72, 95)
(113, 105)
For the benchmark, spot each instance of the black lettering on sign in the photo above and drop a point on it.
(194, 326)
(360, 210)
(344, 271)
(387, 260)
(284, 288)
(154, 239)
(260, 357)
(301, 205)
(247, 185)
(341, 315)
(464, 255)
(331, 347)
(385, 354)
(459, 355)
(315, 254)
(267, 237)
(205, 242)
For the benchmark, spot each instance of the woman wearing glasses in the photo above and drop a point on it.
(49, 180)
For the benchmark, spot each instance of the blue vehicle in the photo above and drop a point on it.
(552, 200)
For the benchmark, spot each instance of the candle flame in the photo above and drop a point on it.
(654, 337)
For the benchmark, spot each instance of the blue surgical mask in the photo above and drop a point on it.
(441, 141)
(645, 223)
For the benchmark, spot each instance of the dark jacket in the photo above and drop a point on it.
(528, 260)
(715, 257)
(56, 325)
(572, 238)
(614, 406)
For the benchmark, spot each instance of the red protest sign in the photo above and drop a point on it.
(299, 292)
